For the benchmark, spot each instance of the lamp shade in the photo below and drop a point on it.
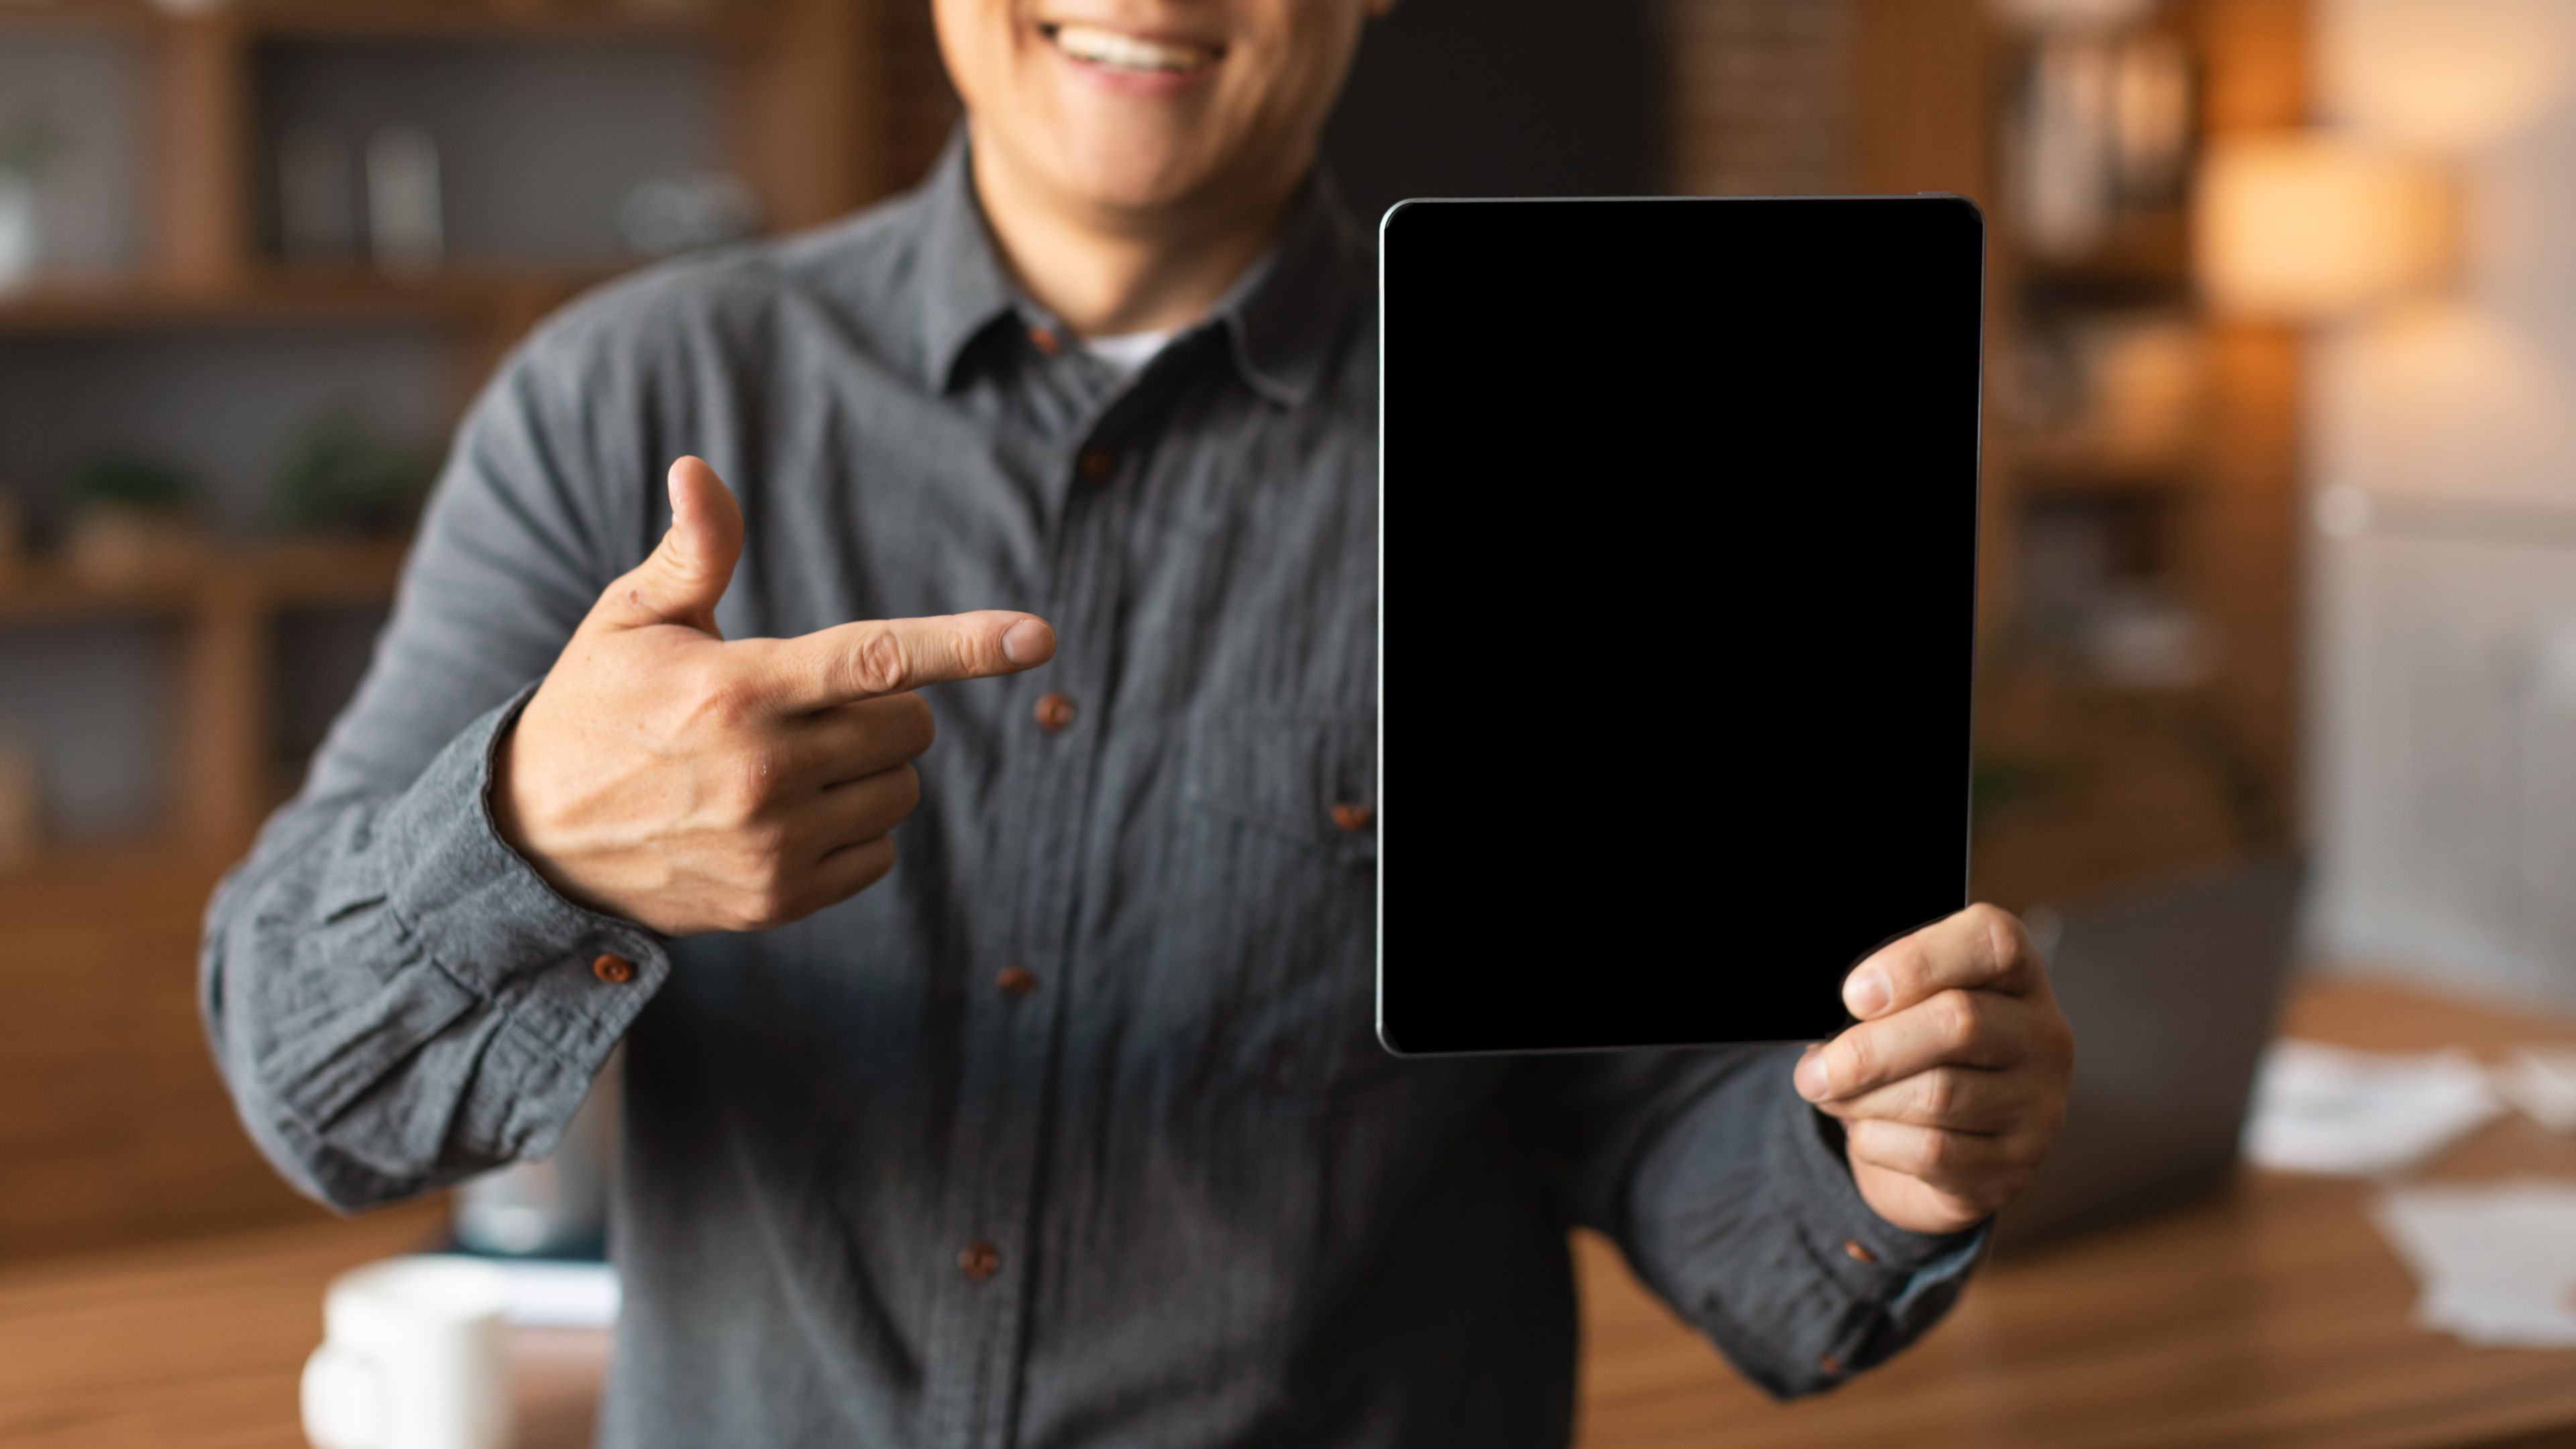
(2305, 226)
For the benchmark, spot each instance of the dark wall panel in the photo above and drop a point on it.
(1503, 98)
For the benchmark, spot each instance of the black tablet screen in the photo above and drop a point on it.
(1679, 563)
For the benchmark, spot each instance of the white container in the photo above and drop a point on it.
(17, 231)
(412, 1358)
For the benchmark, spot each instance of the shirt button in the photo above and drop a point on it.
(1046, 340)
(1830, 1364)
(1055, 711)
(612, 968)
(979, 1261)
(1857, 1252)
(1352, 816)
(1098, 465)
(1016, 981)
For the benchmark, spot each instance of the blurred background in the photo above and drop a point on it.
(2280, 494)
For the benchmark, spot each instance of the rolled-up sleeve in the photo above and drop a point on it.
(1730, 1198)
(395, 998)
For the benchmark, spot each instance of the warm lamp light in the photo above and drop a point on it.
(2305, 227)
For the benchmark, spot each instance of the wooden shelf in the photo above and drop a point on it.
(720, 21)
(463, 294)
(123, 1134)
(224, 603)
(288, 574)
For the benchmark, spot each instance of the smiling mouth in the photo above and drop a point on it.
(1117, 50)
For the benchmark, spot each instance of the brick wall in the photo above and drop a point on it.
(1762, 95)
(1762, 100)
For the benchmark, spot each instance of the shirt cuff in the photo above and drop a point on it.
(478, 909)
(1917, 1276)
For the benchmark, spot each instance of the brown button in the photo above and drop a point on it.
(1830, 1364)
(612, 968)
(1353, 816)
(979, 1261)
(1016, 981)
(1045, 340)
(1853, 1250)
(1055, 711)
(1098, 465)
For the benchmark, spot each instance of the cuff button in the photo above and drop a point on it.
(1854, 1250)
(612, 968)
(1830, 1364)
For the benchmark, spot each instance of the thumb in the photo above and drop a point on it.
(685, 576)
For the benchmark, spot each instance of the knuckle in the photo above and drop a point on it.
(881, 859)
(771, 843)
(1940, 1093)
(1954, 1020)
(772, 905)
(1850, 1061)
(1907, 965)
(754, 779)
(917, 727)
(878, 665)
(2005, 937)
(726, 698)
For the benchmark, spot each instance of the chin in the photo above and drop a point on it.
(1131, 168)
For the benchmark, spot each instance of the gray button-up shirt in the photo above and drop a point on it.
(873, 1192)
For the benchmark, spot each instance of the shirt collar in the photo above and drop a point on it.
(963, 286)
(1284, 320)
(1281, 320)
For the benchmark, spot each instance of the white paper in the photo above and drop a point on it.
(2343, 1113)
(2496, 1261)
(2541, 1080)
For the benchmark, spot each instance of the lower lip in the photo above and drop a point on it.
(1129, 81)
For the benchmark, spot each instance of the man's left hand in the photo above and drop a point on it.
(1952, 1085)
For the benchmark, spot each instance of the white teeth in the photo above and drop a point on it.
(1128, 52)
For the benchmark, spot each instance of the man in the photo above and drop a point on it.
(1067, 1128)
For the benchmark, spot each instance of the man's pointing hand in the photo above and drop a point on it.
(688, 784)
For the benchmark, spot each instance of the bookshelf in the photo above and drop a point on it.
(2179, 476)
(804, 96)
(120, 1132)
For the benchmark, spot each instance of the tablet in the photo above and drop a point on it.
(1678, 507)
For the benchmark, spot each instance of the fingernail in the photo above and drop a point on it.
(1029, 641)
(1810, 1076)
(1866, 992)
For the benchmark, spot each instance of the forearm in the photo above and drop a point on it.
(396, 1000)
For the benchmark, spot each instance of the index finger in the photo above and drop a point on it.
(876, 657)
(1980, 948)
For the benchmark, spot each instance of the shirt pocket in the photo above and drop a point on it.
(1281, 842)
(1310, 781)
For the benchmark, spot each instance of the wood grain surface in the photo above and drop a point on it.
(2270, 1314)
(200, 1344)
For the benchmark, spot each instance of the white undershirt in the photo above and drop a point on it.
(1127, 354)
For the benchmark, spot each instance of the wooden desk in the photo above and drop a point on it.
(199, 1345)
(2272, 1315)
